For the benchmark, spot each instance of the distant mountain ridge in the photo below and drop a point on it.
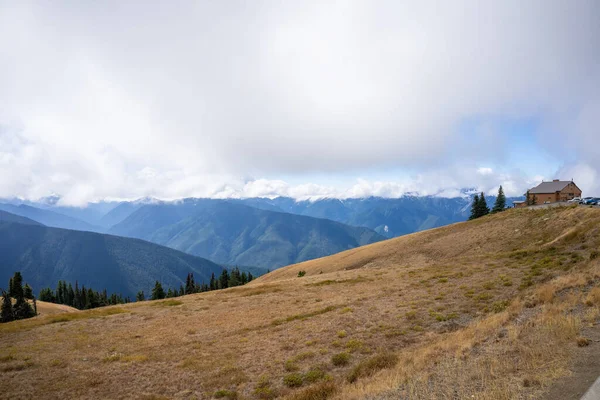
(8, 217)
(236, 234)
(46, 255)
(49, 217)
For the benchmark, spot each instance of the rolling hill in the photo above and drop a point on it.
(496, 308)
(121, 265)
(236, 234)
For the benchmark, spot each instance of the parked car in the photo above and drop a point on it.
(594, 202)
(585, 200)
(574, 200)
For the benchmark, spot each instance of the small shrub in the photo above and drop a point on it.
(291, 366)
(293, 380)
(529, 382)
(593, 297)
(301, 274)
(353, 345)
(499, 306)
(483, 297)
(263, 389)
(225, 394)
(583, 342)
(314, 375)
(371, 365)
(526, 282)
(322, 391)
(594, 254)
(340, 359)
(411, 315)
(341, 334)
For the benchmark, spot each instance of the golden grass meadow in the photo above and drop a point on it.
(489, 309)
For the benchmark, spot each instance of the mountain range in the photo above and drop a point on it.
(45, 255)
(254, 232)
(236, 234)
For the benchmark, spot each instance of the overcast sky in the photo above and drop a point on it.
(173, 99)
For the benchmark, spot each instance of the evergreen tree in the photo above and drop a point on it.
(47, 295)
(7, 313)
(16, 291)
(157, 292)
(22, 309)
(77, 297)
(234, 278)
(140, 296)
(28, 292)
(474, 207)
(70, 296)
(250, 277)
(482, 206)
(170, 293)
(213, 282)
(533, 200)
(190, 285)
(181, 290)
(500, 203)
(224, 280)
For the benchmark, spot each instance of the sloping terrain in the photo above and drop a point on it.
(9, 217)
(487, 309)
(45, 308)
(235, 234)
(121, 265)
(388, 217)
(49, 218)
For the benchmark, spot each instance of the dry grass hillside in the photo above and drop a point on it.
(44, 308)
(490, 309)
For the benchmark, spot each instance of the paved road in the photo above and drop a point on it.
(553, 205)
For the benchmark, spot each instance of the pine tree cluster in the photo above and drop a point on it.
(21, 309)
(479, 208)
(227, 279)
(81, 298)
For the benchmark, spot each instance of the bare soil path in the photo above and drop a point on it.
(586, 369)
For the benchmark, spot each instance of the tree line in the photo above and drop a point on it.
(21, 309)
(479, 207)
(225, 280)
(87, 298)
(81, 298)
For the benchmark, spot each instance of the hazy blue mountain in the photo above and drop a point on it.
(49, 218)
(123, 210)
(388, 217)
(235, 234)
(90, 213)
(46, 255)
(8, 217)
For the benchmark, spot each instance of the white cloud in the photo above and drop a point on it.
(129, 99)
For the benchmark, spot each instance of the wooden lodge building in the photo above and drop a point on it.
(550, 192)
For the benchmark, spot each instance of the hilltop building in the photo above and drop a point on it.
(551, 192)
